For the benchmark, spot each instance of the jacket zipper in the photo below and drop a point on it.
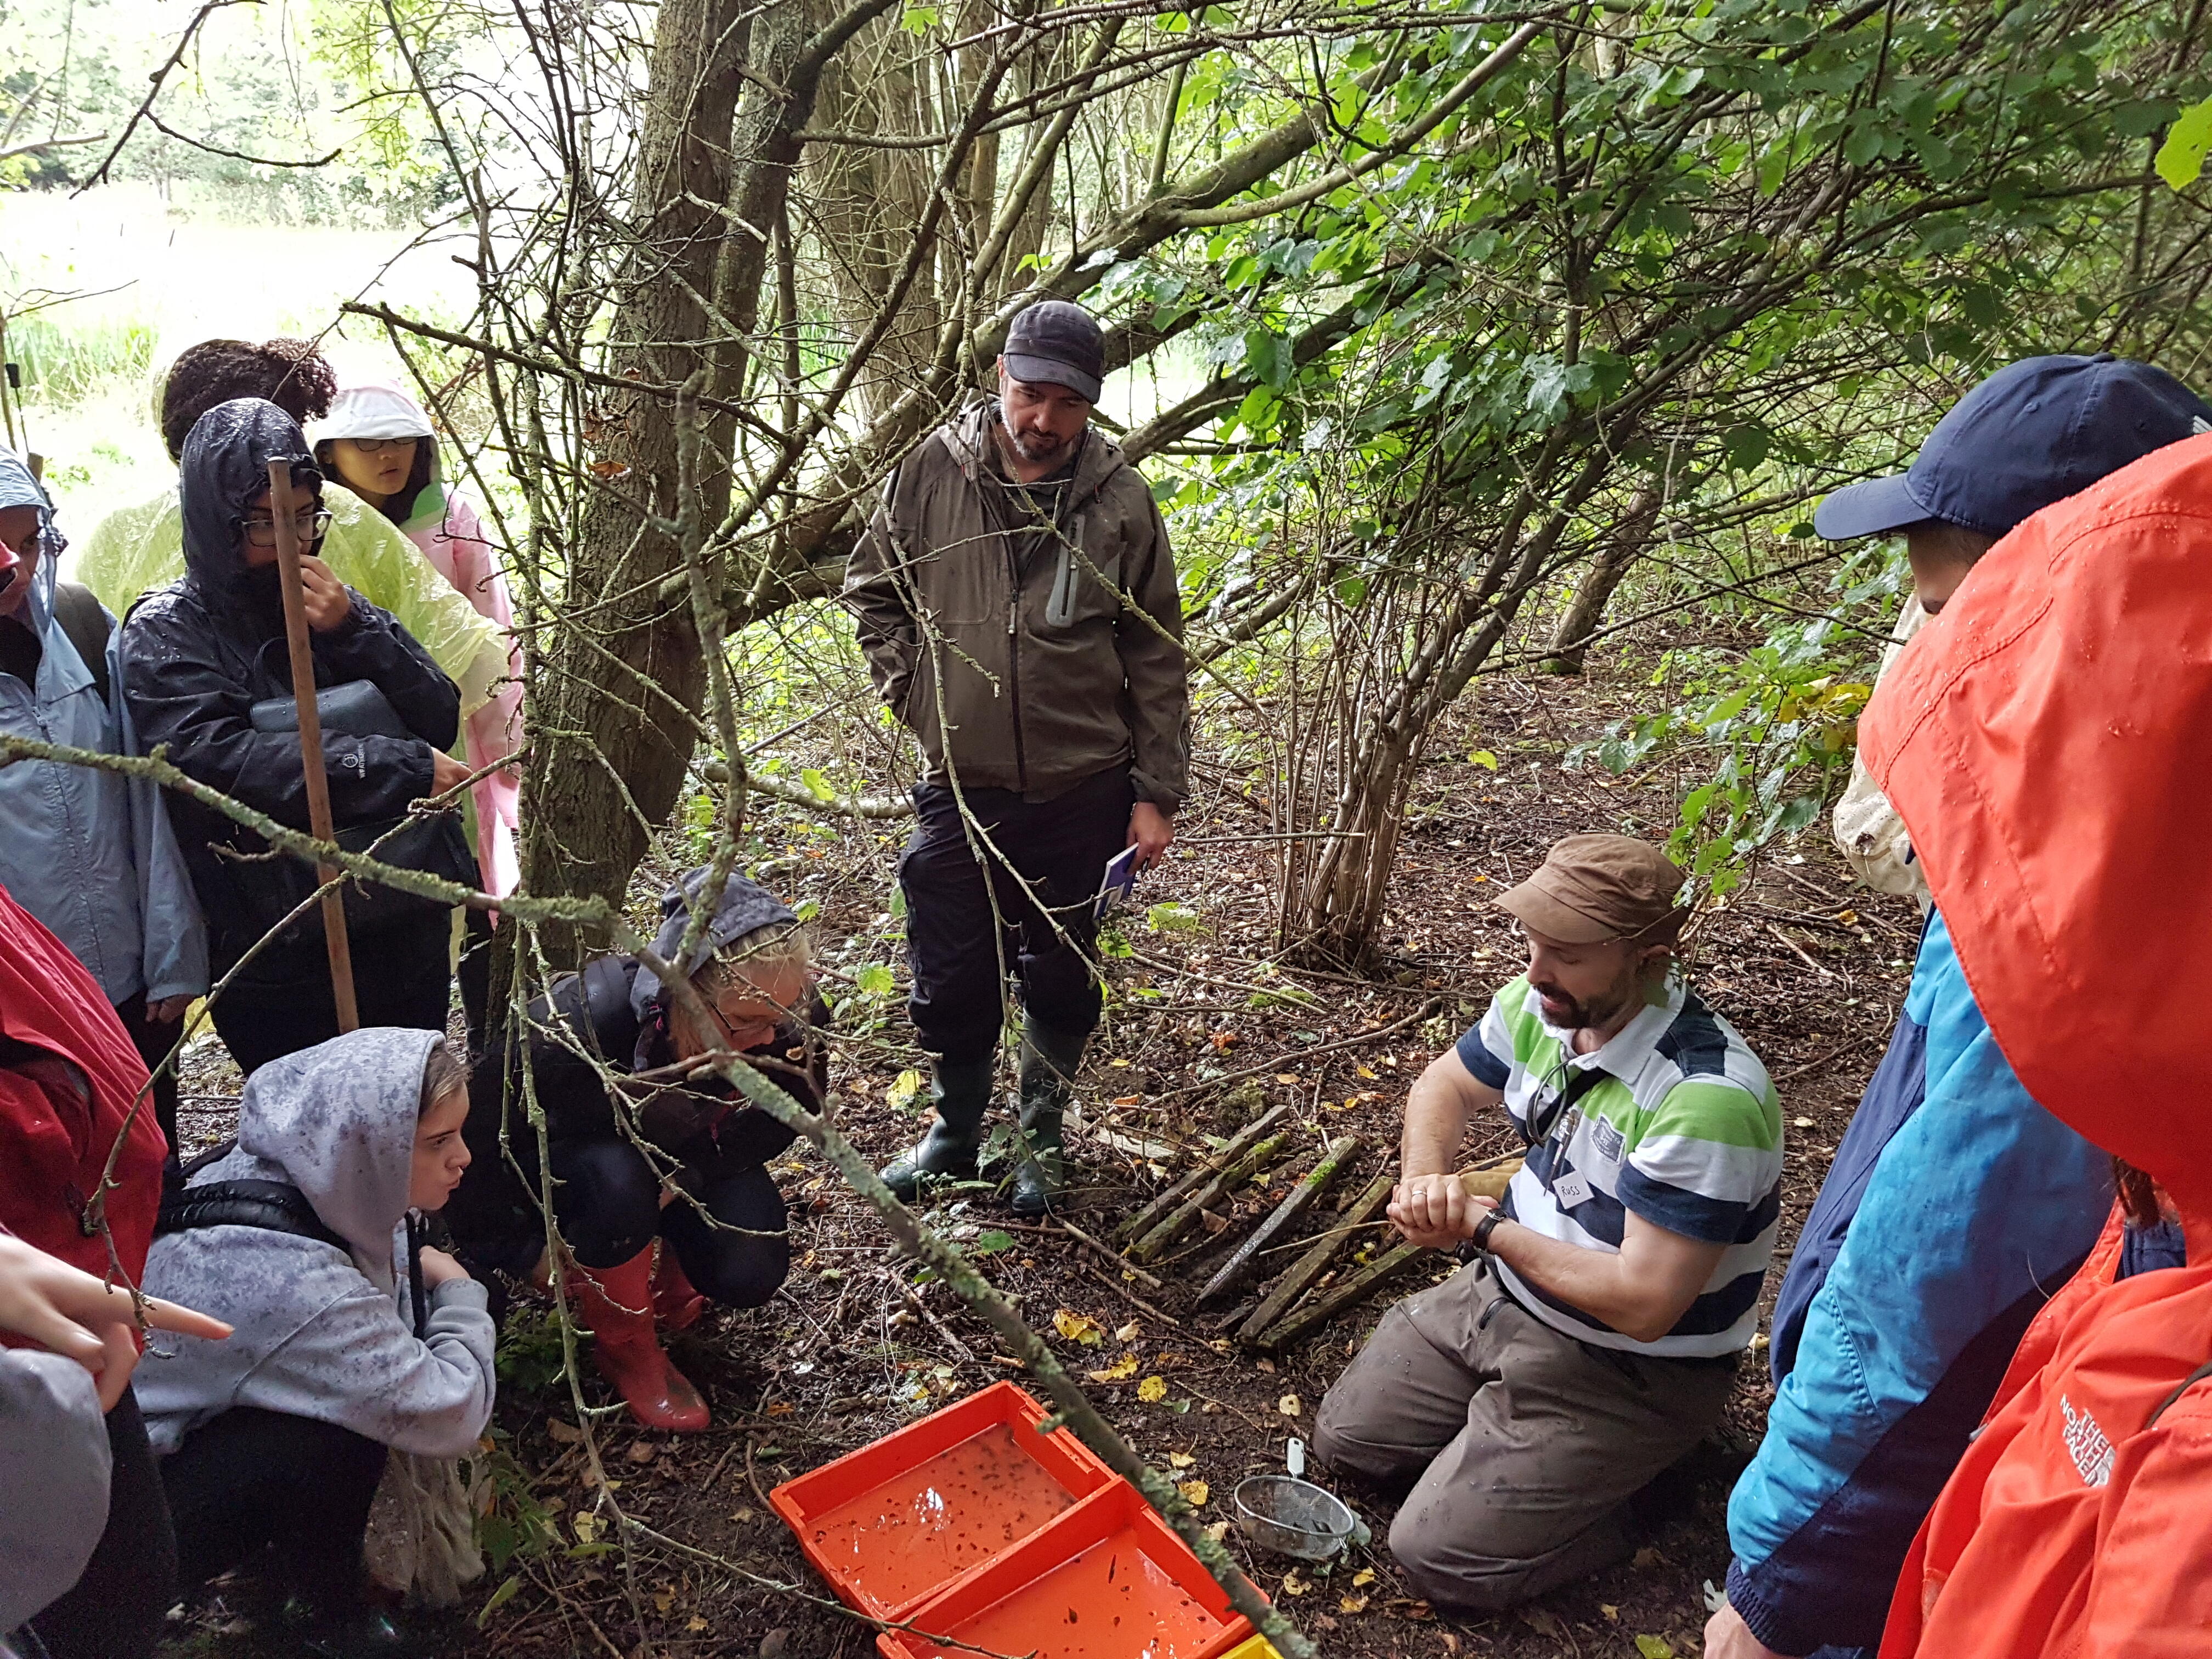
(1014, 660)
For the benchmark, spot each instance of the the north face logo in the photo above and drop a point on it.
(2087, 1445)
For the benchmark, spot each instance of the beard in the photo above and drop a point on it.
(1031, 446)
(1575, 1013)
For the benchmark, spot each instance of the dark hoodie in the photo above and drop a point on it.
(197, 655)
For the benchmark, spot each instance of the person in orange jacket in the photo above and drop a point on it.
(2048, 740)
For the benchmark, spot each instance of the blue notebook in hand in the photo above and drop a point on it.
(1120, 881)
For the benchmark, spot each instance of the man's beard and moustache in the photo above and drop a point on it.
(1572, 1013)
(1032, 446)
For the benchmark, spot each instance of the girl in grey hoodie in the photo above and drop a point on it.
(346, 1341)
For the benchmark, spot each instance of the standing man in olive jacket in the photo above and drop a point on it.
(1017, 604)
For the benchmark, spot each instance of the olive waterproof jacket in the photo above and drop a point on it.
(1024, 655)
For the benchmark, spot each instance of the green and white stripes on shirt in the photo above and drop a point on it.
(1680, 1126)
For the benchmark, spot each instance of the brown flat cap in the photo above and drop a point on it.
(1591, 888)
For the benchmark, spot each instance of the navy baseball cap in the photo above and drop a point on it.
(1056, 343)
(2033, 432)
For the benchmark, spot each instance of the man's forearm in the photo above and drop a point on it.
(1436, 1125)
(1612, 1286)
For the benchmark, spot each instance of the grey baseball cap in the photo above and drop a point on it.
(1056, 343)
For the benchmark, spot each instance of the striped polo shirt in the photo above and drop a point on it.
(1679, 1125)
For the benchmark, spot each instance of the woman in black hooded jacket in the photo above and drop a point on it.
(198, 655)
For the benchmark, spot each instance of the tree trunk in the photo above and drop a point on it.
(1586, 609)
(620, 710)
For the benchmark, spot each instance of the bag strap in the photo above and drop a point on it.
(86, 621)
(271, 1206)
(2187, 1383)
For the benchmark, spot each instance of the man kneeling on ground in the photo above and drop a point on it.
(1594, 1339)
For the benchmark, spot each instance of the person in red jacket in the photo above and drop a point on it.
(71, 1086)
(2048, 740)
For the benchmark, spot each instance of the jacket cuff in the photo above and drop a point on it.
(1147, 788)
(1760, 1617)
(461, 1293)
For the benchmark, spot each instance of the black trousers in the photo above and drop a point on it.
(115, 1610)
(251, 1480)
(956, 942)
(401, 977)
(607, 1201)
(153, 1040)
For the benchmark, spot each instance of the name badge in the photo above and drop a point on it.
(1571, 1189)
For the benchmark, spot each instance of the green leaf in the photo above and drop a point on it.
(991, 1243)
(1173, 918)
(1655, 1647)
(902, 1092)
(875, 981)
(2180, 160)
(816, 784)
(1483, 758)
(918, 20)
(498, 1599)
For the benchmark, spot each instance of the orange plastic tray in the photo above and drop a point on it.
(1107, 1580)
(897, 1522)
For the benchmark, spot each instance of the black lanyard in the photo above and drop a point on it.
(1584, 1081)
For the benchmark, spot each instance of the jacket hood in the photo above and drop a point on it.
(2048, 741)
(968, 440)
(19, 488)
(224, 469)
(337, 1121)
(378, 408)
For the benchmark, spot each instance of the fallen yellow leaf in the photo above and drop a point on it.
(1361, 1071)
(1352, 1604)
(1294, 1585)
(1152, 1390)
(588, 1527)
(1290, 1405)
(1612, 1614)
(1286, 1077)
(1195, 1492)
(695, 1624)
(1129, 1332)
(1218, 1531)
(1078, 1327)
(1180, 1460)
(1365, 1576)
(1120, 1371)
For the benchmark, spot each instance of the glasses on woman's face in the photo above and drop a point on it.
(310, 526)
(373, 447)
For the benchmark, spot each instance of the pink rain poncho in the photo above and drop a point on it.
(442, 522)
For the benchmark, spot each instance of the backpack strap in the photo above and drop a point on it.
(2187, 1383)
(88, 624)
(271, 1205)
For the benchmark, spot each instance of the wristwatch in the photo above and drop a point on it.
(1484, 1227)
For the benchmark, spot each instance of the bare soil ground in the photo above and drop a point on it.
(1810, 969)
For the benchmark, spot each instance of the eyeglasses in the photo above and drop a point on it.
(374, 446)
(261, 533)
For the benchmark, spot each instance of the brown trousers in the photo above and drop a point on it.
(1522, 1444)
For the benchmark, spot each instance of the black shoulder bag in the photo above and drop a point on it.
(270, 886)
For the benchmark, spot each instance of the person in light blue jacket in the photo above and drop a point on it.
(87, 852)
(1956, 1205)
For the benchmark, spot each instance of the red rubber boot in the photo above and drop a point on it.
(616, 1302)
(675, 1305)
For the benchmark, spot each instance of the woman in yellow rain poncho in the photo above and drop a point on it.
(135, 549)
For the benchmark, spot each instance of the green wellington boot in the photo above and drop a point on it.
(1050, 1059)
(961, 1091)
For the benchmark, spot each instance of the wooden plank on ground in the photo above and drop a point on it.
(1339, 1154)
(1186, 1214)
(1314, 1262)
(1357, 1288)
(1169, 1196)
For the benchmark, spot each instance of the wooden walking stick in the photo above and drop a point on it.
(283, 505)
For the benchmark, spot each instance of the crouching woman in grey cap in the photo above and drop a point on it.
(641, 1149)
(350, 1337)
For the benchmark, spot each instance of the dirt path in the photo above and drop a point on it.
(1811, 970)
